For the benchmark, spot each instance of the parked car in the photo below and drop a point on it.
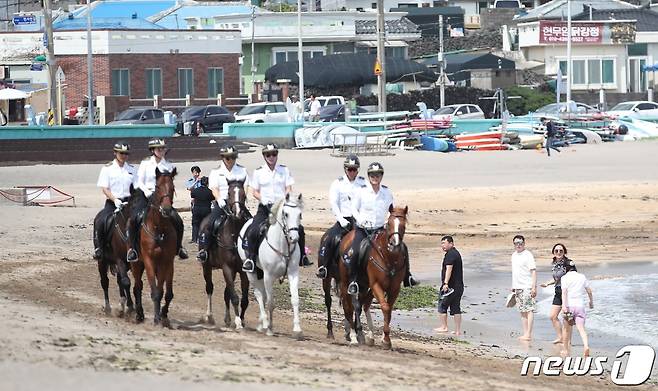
(141, 116)
(324, 101)
(508, 4)
(263, 112)
(336, 113)
(461, 111)
(205, 118)
(577, 107)
(635, 109)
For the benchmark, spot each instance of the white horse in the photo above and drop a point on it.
(278, 255)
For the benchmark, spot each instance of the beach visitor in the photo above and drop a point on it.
(574, 288)
(269, 184)
(524, 285)
(558, 269)
(551, 132)
(115, 180)
(202, 197)
(191, 184)
(452, 287)
(315, 109)
(227, 171)
(297, 109)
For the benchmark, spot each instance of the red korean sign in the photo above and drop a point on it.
(557, 32)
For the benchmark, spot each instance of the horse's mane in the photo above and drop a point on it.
(292, 201)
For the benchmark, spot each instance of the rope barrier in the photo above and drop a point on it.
(34, 193)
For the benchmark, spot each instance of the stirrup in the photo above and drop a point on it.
(98, 254)
(410, 282)
(322, 272)
(132, 255)
(353, 288)
(248, 266)
(202, 256)
(305, 261)
(182, 253)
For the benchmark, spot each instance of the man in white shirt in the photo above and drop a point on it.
(315, 109)
(145, 186)
(269, 183)
(524, 285)
(341, 193)
(575, 287)
(115, 180)
(228, 170)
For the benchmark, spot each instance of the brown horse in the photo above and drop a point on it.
(224, 255)
(114, 260)
(382, 272)
(157, 249)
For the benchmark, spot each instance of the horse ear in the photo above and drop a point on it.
(173, 173)
(406, 209)
(299, 198)
(287, 196)
(157, 172)
(390, 208)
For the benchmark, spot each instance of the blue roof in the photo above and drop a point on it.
(126, 8)
(106, 24)
(176, 19)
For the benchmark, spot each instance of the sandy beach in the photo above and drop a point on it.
(599, 200)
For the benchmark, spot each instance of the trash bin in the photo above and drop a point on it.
(187, 128)
(168, 118)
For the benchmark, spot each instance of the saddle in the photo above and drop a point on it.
(108, 228)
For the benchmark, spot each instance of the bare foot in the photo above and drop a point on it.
(563, 353)
(557, 341)
(441, 330)
(586, 352)
(525, 338)
(456, 333)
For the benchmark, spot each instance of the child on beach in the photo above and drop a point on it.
(574, 288)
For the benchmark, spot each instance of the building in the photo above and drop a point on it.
(479, 70)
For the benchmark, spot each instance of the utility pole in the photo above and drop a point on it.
(90, 69)
(253, 52)
(569, 66)
(300, 55)
(441, 64)
(50, 55)
(381, 55)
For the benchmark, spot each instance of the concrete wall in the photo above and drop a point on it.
(490, 79)
(13, 196)
(494, 18)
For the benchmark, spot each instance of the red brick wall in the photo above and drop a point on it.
(75, 68)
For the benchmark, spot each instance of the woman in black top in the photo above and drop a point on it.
(202, 197)
(559, 269)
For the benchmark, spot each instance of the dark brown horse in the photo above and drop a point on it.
(114, 260)
(331, 263)
(223, 254)
(157, 249)
(382, 272)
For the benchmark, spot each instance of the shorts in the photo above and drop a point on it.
(557, 299)
(524, 300)
(451, 302)
(579, 314)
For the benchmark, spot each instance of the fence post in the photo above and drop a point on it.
(219, 99)
(188, 100)
(250, 99)
(156, 101)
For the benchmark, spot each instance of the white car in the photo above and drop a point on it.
(463, 111)
(263, 112)
(635, 109)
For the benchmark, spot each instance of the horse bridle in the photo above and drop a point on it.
(286, 234)
(162, 198)
(392, 234)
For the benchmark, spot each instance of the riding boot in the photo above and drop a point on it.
(98, 247)
(353, 287)
(202, 256)
(131, 233)
(408, 281)
(180, 250)
(303, 259)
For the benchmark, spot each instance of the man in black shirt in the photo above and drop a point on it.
(452, 287)
(551, 132)
(202, 198)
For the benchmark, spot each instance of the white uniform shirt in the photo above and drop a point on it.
(370, 209)
(271, 183)
(315, 107)
(219, 178)
(523, 263)
(118, 179)
(341, 193)
(575, 283)
(146, 174)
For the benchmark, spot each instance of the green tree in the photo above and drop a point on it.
(531, 99)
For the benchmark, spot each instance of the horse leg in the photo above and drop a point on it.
(358, 327)
(386, 310)
(348, 310)
(370, 336)
(326, 286)
(138, 270)
(228, 285)
(130, 308)
(293, 281)
(169, 295)
(105, 284)
(268, 282)
(259, 292)
(156, 288)
(210, 287)
(229, 277)
(244, 300)
(122, 297)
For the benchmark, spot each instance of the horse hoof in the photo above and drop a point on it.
(238, 324)
(259, 328)
(330, 335)
(361, 339)
(227, 322)
(269, 333)
(107, 310)
(298, 335)
(165, 323)
(209, 320)
(386, 345)
(129, 311)
(370, 341)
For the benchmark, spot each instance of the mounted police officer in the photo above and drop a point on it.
(340, 198)
(227, 171)
(270, 183)
(115, 180)
(145, 185)
(370, 206)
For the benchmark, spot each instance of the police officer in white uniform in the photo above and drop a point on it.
(340, 197)
(218, 180)
(370, 210)
(145, 185)
(115, 180)
(270, 183)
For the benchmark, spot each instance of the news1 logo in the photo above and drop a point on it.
(639, 365)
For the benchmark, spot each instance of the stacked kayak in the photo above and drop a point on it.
(485, 141)
(437, 144)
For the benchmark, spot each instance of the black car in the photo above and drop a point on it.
(205, 118)
(139, 116)
(336, 113)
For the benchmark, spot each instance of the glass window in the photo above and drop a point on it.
(120, 82)
(215, 82)
(646, 106)
(608, 71)
(280, 108)
(563, 67)
(579, 75)
(307, 54)
(153, 82)
(185, 82)
(279, 57)
(318, 54)
(292, 56)
(157, 113)
(148, 114)
(594, 71)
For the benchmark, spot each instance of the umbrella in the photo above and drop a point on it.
(12, 94)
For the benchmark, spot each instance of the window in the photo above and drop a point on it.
(283, 54)
(120, 82)
(579, 75)
(215, 82)
(333, 101)
(395, 52)
(647, 106)
(185, 82)
(608, 72)
(153, 82)
(590, 71)
(594, 71)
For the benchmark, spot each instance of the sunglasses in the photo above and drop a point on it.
(558, 251)
(518, 243)
(229, 158)
(270, 154)
(351, 169)
(123, 153)
(375, 175)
